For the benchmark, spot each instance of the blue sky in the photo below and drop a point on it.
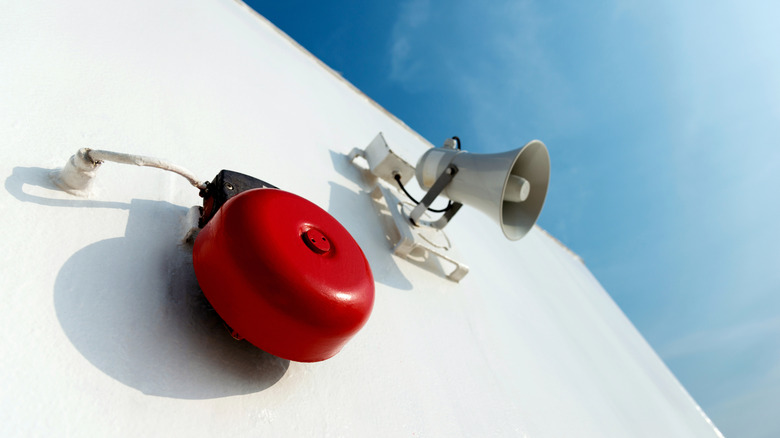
(663, 123)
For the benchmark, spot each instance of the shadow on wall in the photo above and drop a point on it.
(133, 308)
(367, 229)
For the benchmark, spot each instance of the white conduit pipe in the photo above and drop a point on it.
(98, 156)
(77, 175)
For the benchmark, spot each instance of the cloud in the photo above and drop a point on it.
(752, 413)
(723, 152)
(413, 15)
(490, 62)
(732, 337)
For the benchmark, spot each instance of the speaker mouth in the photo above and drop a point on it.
(517, 218)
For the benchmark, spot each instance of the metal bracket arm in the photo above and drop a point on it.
(435, 190)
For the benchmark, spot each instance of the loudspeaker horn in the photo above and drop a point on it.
(510, 187)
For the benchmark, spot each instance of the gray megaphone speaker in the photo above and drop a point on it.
(510, 187)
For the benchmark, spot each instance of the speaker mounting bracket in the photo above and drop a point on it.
(416, 244)
(431, 195)
(510, 187)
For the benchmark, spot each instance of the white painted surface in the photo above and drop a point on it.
(102, 333)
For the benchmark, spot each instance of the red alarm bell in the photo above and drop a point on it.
(283, 273)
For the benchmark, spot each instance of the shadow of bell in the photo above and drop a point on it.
(132, 306)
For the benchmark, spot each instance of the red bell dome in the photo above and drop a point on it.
(284, 274)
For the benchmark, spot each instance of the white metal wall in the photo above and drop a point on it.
(102, 331)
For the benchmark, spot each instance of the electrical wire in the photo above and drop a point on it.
(98, 156)
(457, 139)
(434, 210)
